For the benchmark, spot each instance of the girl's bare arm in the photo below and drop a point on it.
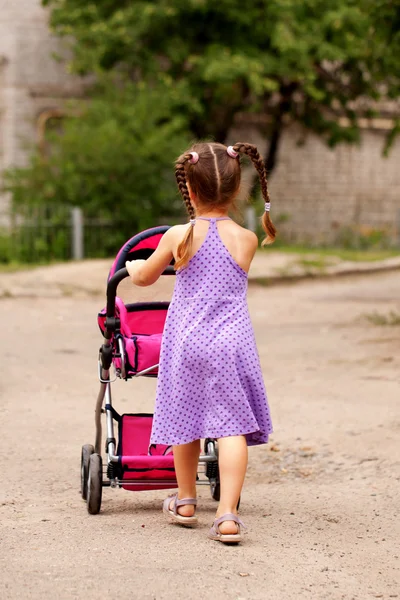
(146, 272)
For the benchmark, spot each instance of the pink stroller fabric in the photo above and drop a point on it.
(141, 245)
(142, 323)
(141, 331)
(138, 460)
(141, 328)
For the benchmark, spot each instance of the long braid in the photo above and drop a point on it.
(185, 246)
(251, 151)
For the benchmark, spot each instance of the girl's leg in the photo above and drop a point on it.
(232, 460)
(186, 459)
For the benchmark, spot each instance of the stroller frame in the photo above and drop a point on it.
(93, 476)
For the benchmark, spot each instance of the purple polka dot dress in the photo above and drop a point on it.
(210, 382)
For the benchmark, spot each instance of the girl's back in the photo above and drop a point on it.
(212, 279)
(238, 241)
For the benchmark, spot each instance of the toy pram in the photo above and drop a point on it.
(132, 338)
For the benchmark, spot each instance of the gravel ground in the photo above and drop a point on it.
(321, 501)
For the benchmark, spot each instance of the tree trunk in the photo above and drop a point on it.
(284, 107)
(273, 147)
(271, 153)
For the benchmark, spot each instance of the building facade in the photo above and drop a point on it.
(319, 195)
(340, 195)
(31, 81)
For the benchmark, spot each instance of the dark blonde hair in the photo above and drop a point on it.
(215, 180)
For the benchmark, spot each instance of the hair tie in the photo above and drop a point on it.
(194, 158)
(192, 222)
(267, 206)
(232, 152)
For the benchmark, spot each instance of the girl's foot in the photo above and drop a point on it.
(227, 529)
(181, 511)
(185, 510)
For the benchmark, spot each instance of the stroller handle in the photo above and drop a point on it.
(114, 282)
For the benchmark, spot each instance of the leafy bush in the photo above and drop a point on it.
(114, 158)
(356, 237)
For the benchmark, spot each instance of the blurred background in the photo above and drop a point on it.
(98, 98)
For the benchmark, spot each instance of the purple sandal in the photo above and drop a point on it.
(174, 515)
(225, 538)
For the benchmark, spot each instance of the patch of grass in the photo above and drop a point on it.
(262, 281)
(341, 253)
(364, 256)
(392, 318)
(317, 262)
(14, 267)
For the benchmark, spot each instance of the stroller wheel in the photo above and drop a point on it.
(95, 484)
(87, 450)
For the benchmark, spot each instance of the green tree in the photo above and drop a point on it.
(171, 70)
(114, 157)
(309, 61)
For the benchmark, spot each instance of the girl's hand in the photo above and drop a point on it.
(146, 272)
(133, 267)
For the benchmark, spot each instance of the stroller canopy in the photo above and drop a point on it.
(140, 246)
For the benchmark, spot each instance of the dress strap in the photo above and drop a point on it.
(213, 219)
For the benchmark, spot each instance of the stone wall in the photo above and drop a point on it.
(326, 196)
(318, 192)
(324, 192)
(31, 81)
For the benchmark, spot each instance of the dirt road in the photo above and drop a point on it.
(321, 501)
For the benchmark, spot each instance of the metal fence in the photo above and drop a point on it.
(43, 234)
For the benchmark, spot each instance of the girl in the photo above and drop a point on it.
(210, 383)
